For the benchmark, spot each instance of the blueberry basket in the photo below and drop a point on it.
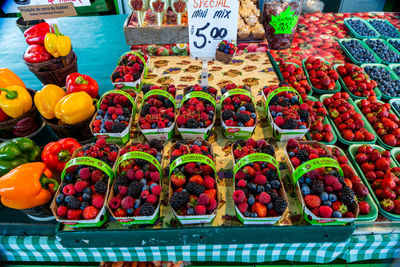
(350, 55)
(393, 102)
(395, 67)
(394, 40)
(396, 33)
(347, 22)
(390, 48)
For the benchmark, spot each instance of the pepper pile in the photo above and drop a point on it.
(56, 154)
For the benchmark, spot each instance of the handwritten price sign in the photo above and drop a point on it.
(211, 21)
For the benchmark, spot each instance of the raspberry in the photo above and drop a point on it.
(203, 199)
(337, 186)
(62, 211)
(90, 212)
(242, 183)
(243, 207)
(139, 175)
(212, 205)
(151, 199)
(115, 202)
(127, 202)
(98, 201)
(240, 175)
(260, 179)
(238, 196)
(145, 194)
(330, 179)
(111, 110)
(96, 176)
(84, 173)
(295, 162)
(156, 190)
(69, 190)
(325, 211)
(74, 214)
(123, 190)
(200, 210)
(80, 186)
(108, 125)
(279, 121)
(101, 142)
(155, 176)
(130, 174)
(112, 156)
(265, 198)
(209, 183)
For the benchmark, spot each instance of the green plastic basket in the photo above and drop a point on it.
(394, 153)
(355, 61)
(392, 66)
(392, 75)
(366, 125)
(315, 90)
(388, 23)
(325, 121)
(395, 100)
(389, 46)
(373, 213)
(376, 90)
(355, 33)
(394, 39)
(352, 155)
(297, 66)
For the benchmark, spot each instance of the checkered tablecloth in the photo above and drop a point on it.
(357, 248)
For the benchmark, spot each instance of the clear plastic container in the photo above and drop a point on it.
(280, 18)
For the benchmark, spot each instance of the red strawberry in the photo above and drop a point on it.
(74, 214)
(387, 204)
(178, 179)
(396, 208)
(90, 212)
(364, 207)
(260, 209)
(312, 201)
(325, 211)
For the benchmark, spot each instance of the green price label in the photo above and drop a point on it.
(254, 158)
(117, 92)
(140, 155)
(315, 164)
(159, 92)
(236, 92)
(90, 162)
(192, 158)
(280, 90)
(285, 22)
(199, 95)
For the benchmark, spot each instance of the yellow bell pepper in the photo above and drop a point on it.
(15, 100)
(47, 99)
(57, 44)
(7, 78)
(75, 107)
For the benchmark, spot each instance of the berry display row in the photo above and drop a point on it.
(388, 82)
(358, 51)
(384, 50)
(360, 28)
(385, 28)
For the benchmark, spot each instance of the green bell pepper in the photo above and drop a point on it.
(16, 152)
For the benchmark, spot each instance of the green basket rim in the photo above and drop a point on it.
(393, 153)
(355, 33)
(318, 91)
(355, 61)
(392, 75)
(387, 22)
(391, 101)
(385, 42)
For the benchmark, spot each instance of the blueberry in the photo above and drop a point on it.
(308, 180)
(252, 188)
(292, 154)
(240, 124)
(275, 184)
(251, 200)
(159, 158)
(137, 203)
(69, 177)
(153, 126)
(201, 124)
(169, 124)
(60, 198)
(242, 108)
(395, 44)
(270, 205)
(121, 117)
(130, 211)
(254, 215)
(359, 52)
(383, 51)
(86, 197)
(273, 113)
(301, 180)
(253, 115)
(332, 197)
(384, 80)
(361, 28)
(145, 187)
(103, 130)
(302, 126)
(84, 205)
(324, 196)
(267, 186)
(336, 214)
(98, 117)
(279, 114)
(246, 214)
(327, 203)
(100, 112)
(294, 99)
(68, 198)
(305, 190)
(260, 189)
(152, 185)
(190, 211)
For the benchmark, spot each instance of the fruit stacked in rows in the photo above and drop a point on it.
(385, 29)
(196, 112)
(286, 110)
(397, 70)
(238, 110)
(100, 150)
(168, 88)
(395, 44)
(301, 152)
(384, 180)
(137, 187)
(349, 123)
(257, 185)
(361, 28)
(319, 131)
(356, 80)
(193, 183)
(82, 193)
(324, 191)
(388, 85)
(130, 68)
(295, 77)
(352, 180)
(114, 114)
(383, 51)
(385, 123)
(197, 88)
(157, 112)
(322, 75)
(359, 52)
(226, 47)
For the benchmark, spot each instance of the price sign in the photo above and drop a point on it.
(211, 21)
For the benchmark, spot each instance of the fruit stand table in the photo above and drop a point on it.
(98, 45)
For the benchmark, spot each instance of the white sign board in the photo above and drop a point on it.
(11, 6)
(210, 22)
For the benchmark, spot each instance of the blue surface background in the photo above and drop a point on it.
(98, 42)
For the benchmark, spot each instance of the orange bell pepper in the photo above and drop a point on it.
(27, 186)
(9, 78)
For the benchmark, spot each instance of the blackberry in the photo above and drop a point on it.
(250, 107)
(269, 149)
(340, 178)
(168, 103)
(317, 186)
(347, 195)
(134, 189)
(302, 154)
(290, 124)
(192, 123)
(272, 194)
(145, 109)
(147, 209)
(157, 144)
(118, 127)
(194, 188)
(73, 203)
(285, 103)
(274, 101)
(206, 153)
(280, 205)
(227, 114)
(242, 117)
(304, 115)
(115, 75)
(179, 143)
(100, 187)
(179, 200)
(122, 180)
(326, 156)
(141, 162)
(244, 189)
(145, 88)
(272, 175)
(240, 143)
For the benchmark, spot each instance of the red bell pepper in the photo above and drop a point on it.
(56, 154)
(77, 82)
(3, 116)
(36, 54)
(36, 34)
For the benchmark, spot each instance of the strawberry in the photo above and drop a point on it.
(178, 179)
(396, 208)
(197, 179)
(312, 201)
(364, 207)
(387, 204)
(325, 211)
(74, 214)
(90, 213)
(211, 193)
(260, 209)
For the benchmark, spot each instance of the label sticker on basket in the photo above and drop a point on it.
(199, 95)
(90, 162)
(284, 22)
(159, 92)
(236, 92)
(140, 155)
(254, 158)
(315, 164)
(192, 158)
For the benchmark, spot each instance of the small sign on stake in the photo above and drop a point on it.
(47, 11)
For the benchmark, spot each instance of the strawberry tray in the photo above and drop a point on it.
(315, 90)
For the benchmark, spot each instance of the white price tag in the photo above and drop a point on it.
(210, 22)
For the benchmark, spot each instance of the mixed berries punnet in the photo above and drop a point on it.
(320, 129)
(258, 191)
(100, 150)
(385, 123)
(356, 80)
(137, 187)
(114, 114)
(376, 166)
(171, 89)
(193, 186)
(321, 75)
(350, 124)
(295, 76)
(227, 48)
(129, 69)
(299, 152)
